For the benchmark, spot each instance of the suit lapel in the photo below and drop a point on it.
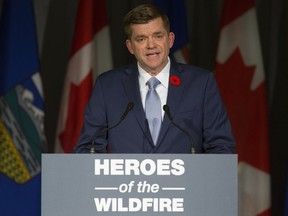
(131, 86)
(173, 99)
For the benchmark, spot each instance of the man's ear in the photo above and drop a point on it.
(171, 39)
(129, 46)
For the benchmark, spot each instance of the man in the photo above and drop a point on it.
(196, 120)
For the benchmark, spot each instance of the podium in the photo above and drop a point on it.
(139, 184)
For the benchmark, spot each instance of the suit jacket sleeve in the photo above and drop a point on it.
(94, 122)
(217, 132)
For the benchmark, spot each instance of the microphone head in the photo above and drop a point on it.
(166, 108)
(167, 111)
(130, 106)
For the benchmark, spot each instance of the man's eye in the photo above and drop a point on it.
(158, 37)
(140, 39)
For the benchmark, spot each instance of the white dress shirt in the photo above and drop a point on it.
(162, 89)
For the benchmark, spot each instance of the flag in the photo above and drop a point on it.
(21, 112)
(240, 74)
(176, 11)
(90, 56)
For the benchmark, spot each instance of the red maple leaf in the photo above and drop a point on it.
(247, 110)
(78, 98)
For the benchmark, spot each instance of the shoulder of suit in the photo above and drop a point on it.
(191, 68)
(119, 71)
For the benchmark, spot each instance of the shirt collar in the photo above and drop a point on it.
(163, 76)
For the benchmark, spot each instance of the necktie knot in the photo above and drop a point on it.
(153, 82)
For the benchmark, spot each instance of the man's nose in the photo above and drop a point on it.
(151, 42)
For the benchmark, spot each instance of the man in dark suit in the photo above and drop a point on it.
(198, 120)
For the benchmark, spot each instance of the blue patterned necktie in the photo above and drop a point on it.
(153, 108)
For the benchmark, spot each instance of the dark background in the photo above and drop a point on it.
(55, 26)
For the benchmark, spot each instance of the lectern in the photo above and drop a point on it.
(139, 184)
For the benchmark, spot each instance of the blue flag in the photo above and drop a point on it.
(21, 112)
(176, 11)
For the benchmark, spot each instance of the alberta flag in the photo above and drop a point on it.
(21, 112)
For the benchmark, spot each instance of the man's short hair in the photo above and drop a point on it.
(143, 14)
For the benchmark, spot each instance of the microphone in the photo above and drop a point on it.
(167, 111)
(129, 107)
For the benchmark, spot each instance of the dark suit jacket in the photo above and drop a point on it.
(195, 105)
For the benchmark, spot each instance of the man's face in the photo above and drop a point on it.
(150, 43)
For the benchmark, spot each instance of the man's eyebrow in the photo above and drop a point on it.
(140, 36)
(157, 33)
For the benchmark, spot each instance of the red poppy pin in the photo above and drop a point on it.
(175, 80)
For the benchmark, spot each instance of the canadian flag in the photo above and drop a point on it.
(240, 75)
(90, 55)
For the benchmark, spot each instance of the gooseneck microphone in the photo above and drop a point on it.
(167, 111)
(129, 107)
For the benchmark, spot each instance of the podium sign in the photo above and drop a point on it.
(139, 184)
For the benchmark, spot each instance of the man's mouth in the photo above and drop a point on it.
(154, 54)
